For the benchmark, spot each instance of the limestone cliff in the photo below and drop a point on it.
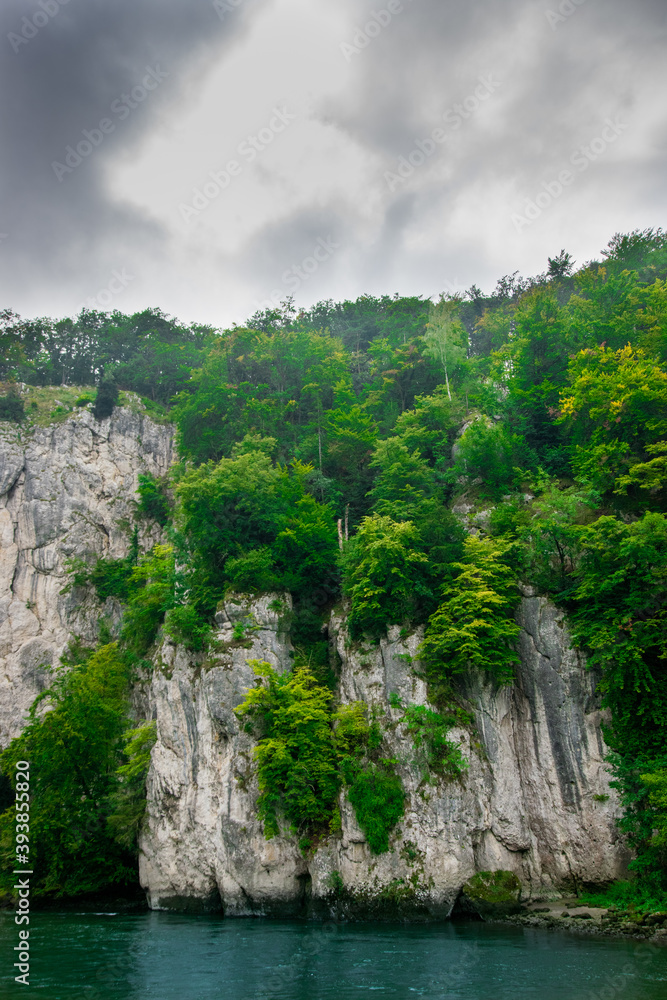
(65, 491)
(535, 800)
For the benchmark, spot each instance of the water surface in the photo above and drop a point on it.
(158, 956)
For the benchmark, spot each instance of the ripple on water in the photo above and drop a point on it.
(159, 956)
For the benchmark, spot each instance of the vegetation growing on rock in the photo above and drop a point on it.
(418, 462)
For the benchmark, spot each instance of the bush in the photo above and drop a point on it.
(151, 594)
(185, 624)
(491, 453)
(11, 407)
(296, 756)
(154, 503)
(106, 398)
(379, 802)
(435, 752)
(128, 800)
(382, 575)
(110, 578)
(252, 573)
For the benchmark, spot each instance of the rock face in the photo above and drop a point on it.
(204, 842)
(64, 491)
(525, 805)
(534, 801)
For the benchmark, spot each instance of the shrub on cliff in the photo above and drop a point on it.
(295, 754)
(474, 626)
(11, 406)
(106, 398)
(306, 752)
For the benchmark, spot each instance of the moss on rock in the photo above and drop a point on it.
(493, 894)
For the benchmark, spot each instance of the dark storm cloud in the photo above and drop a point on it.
(63, 69)
(564, 69)
(552, 74)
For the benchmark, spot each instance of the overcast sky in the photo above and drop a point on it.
(213, 157)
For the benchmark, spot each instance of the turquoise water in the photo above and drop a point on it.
(168, 957)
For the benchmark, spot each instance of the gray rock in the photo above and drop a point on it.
(525, 805)
(64, 491)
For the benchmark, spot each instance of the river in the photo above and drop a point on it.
(161, 956)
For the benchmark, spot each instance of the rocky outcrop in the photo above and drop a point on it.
(534, 801)
(204, 842)
(66, 491)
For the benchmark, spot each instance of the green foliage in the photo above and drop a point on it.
(277, 383)
(491, 453)
(128, 799)
(109, 577)
(106, 398)
(11, 406)
(252, 573)
(305, 753)
(616, 595)
(295, 755)
(617, 410)
(656, 783)
(151, 590)
(550, 532)
(185, 624)
(533, 365)
(74, 750)
(244, 505)
(154, 502)
(633, 896)
(446, 338)
(474, 627)
(435, 751)
(494, 893)
(382, 579)
(373, 786)
(377, 795)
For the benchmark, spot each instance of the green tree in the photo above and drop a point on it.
(383, 575)
(616, 411)
(74, 750)
(446, 338)
(474, 627)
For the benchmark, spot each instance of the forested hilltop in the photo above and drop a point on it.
(415, 460)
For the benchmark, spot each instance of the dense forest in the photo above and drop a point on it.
(412, 460)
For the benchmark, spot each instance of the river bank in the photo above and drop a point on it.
(569, 914)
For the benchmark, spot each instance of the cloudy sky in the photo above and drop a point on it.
(213, 157)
